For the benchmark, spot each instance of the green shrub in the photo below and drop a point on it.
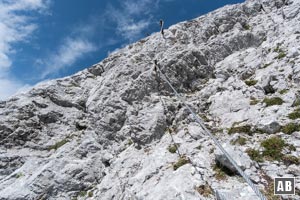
(172, 148)
(182, 161)
(254, 155)
(290, 128)
(240, 129)
(251, 82)
(240, 141)
(58, 144)
(273, 101)
(273, 147)
(295, 114)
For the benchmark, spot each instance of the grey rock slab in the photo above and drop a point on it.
(241, 158)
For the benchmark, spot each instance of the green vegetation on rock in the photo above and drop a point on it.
(19, 175)
(59, 144)
(273, 148)
(172, 148)
(182, 161)
(204, 190)
(290, 128)
(254, 101)
(296, 102)
(295, 114)
(281, 55)
(251, 82)
(269, 189)
(254, 155)
(90, 194)
(221, 172)
(283, 91)
(240, 140)
(267, 65)
(129, 142)
(273, 101)
(82, 193)
(289, 160)
(240, 129)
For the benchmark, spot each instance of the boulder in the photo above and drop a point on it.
(241, 158)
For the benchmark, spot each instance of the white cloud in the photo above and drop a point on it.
(9, 86)
(15, 27)
(134, 7)
(133, 17)
(71, 50)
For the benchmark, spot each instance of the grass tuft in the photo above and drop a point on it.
(254, 101)
(247, 27)
(182, 161)
(284, 91)
(129, 142)
(254, 155)
(295, 114)
(221, 172)
(204, 190)
(82, 193)
(172, 148)
(240, 129)
(281, 55)
(240, 140)
(273, 101)
(19, 175)
(251, 82)
(296, 102)
(290, 128)
(269, 189)
(90, 194)
(267, 65)
(58, 144)
(273, 147)
(289, 160)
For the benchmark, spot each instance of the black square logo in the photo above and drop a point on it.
(284, 186)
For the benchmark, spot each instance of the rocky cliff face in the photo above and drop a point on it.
(116, 130)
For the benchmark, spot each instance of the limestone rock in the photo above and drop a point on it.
(109, 131)
(241, 159)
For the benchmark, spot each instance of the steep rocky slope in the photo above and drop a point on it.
(116, 130)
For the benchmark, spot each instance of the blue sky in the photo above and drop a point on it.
(46, 39)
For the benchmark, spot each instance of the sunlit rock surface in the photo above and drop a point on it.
(109, 132)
